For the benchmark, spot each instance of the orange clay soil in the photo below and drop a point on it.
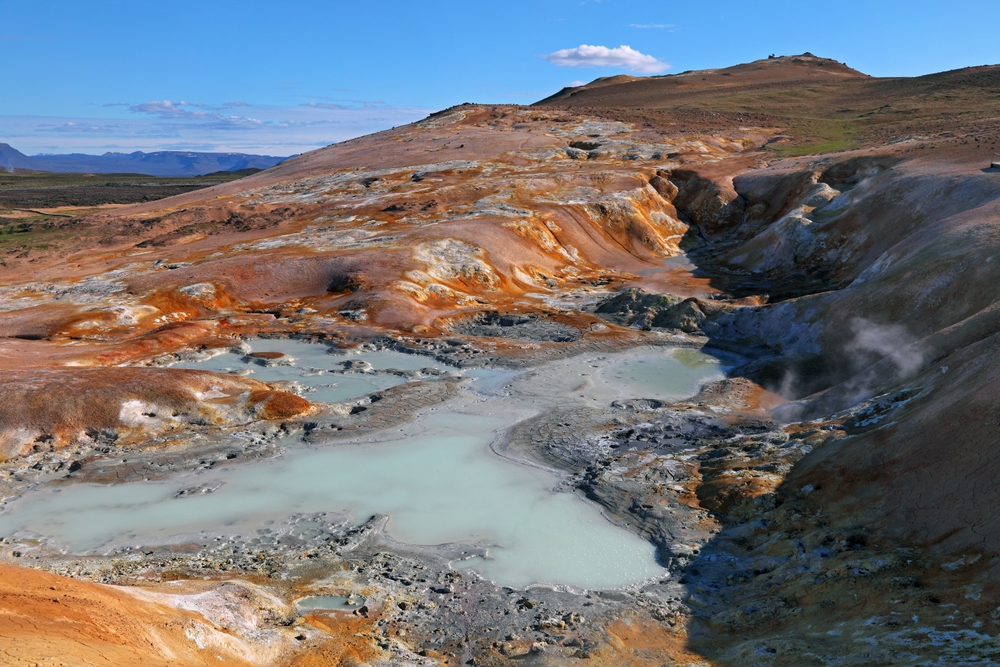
(357, 227)
(46, 619)
(407, 231)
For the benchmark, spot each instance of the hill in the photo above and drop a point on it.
(656, 91)
(11, 159)
(818, 104)
(159, 163)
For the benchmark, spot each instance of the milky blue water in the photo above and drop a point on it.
(436, 478)
(340, 602)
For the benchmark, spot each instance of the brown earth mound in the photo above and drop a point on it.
(654, 91)
(42, 409)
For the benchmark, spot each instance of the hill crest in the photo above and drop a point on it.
(770, 70)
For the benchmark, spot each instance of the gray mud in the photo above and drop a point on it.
(519, 327)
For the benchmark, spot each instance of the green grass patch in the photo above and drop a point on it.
(20, 236)
(813, 149)
(34, 190)
(815, 136)
(61, 179)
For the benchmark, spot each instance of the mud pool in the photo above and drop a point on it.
(338, 602)
(436, 478)
(321, 375)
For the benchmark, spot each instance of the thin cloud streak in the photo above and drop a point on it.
(323, 105)
(78, 128)
(152, 126)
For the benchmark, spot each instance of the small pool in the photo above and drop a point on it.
(671, 375)
(316, 367)
(329, 602)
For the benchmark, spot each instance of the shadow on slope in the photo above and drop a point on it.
(880, 545)
(866, 286)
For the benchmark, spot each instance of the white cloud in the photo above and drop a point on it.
(167, 109)
(624, 57)
(653, 26)
(575, 84)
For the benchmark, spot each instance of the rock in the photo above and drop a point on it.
(644, 310)
(517, 326)
(664, 187)
(266, 355)
(270, 359)
(687, 316)
(357, 366)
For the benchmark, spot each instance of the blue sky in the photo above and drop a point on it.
(284, 77)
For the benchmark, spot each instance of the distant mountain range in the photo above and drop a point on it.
(160, 163)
